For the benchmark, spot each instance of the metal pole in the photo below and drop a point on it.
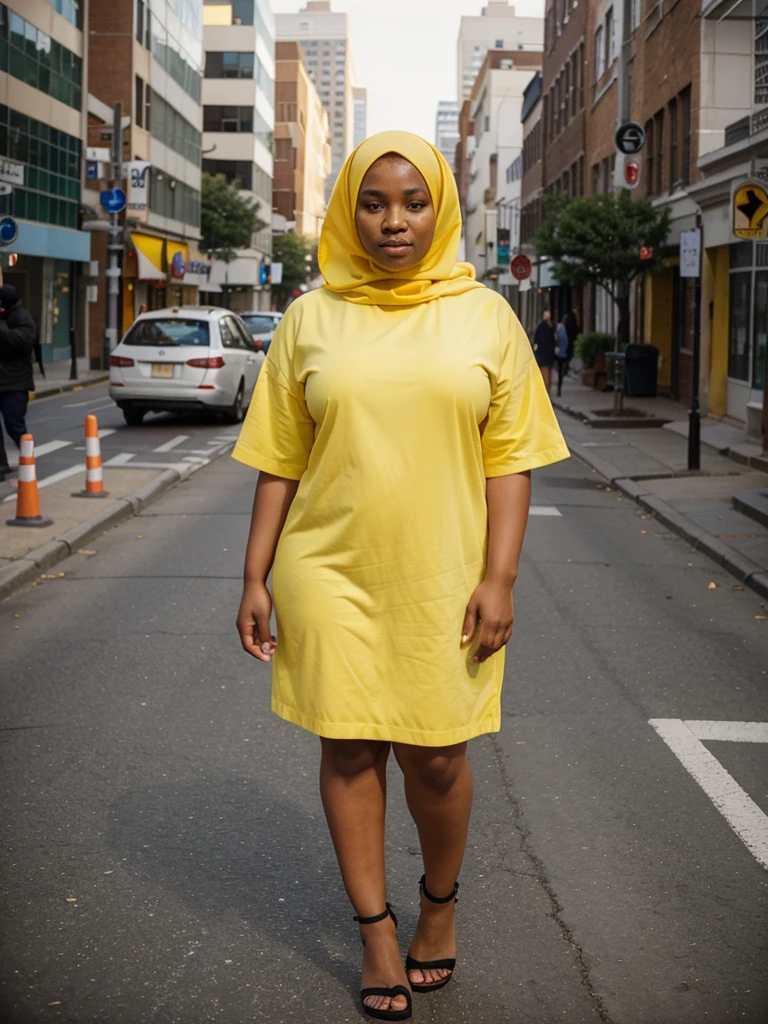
(115, 246)
(73, 320)
(694, 419)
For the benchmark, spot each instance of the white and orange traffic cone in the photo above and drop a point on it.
(28, 498)
(94, 474)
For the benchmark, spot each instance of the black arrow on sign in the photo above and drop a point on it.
(751, 208)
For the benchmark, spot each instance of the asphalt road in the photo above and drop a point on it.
(165, 857)
(164, 439)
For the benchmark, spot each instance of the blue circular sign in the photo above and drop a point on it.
(113, 200)
(9, 229)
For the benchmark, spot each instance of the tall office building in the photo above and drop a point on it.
(149, 59)
(42, 123)
(238, 128)
(302, 145)
(497, 28)
(447, 130)
(323, 35)
(360, 99)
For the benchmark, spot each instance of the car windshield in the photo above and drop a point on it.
(259, 324)
(175, 331)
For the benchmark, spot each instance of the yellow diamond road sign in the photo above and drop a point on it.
(750, 210)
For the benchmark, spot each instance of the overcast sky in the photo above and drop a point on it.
(405, 53)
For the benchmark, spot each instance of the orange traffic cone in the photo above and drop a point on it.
(28, 498)
(94, 475)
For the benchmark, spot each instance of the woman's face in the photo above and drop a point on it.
(395, 217)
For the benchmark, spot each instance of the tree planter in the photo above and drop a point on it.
(588, 378)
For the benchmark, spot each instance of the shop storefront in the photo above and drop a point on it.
(747, 329)
(161, 272)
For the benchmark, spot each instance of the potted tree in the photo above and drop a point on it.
(591, 348)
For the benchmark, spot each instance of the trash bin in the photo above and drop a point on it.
(642, 364)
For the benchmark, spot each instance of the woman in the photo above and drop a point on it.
(395, 423)
(544, 346)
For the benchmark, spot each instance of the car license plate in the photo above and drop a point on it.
(162, 369)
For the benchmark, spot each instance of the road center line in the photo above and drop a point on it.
(740, 811)
(173, 443)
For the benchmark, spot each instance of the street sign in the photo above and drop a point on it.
(646, 252)
(113, 200)
(11, 172)
(750, 209)
(5, 188)
(502, 246)
(9, 229)
(520, 267)
(630, 138)
(690, 253)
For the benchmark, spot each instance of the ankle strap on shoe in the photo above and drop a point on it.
(379, 917)
(438, 899)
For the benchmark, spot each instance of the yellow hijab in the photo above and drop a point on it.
(349, 270)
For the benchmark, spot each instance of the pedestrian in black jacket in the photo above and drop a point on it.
(18, 335)
(544, 347)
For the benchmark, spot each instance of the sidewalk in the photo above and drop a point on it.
(57, 380)
(722, 510)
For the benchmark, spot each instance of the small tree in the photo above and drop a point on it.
(598, 239)
(292, 251)
(228, 219)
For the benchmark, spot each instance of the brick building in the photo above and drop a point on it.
(531, 192)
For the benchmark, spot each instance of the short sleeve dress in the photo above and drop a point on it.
(391, 419)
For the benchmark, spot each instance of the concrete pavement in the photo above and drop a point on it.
(166, 858)
(720, 510)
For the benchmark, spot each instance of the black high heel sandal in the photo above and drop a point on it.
(449, 963)
(390, 993)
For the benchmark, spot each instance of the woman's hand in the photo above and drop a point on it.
(492, 606)
(253, 622)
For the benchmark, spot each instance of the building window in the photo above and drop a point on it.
(599, 53)
(499, 44)
(610, 37)
(237, 12)
(170, 128)
(761, 53)
(172, 58)
(28, 54)
(650, 161)
(685, 127)
(659, 161)
(138, 108)
(672, 144)
(237, 172)
(229, 65)
(173, 199)
(635, 14)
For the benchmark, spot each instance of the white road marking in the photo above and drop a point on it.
(196, 459)
(747, 820)
(107, 431)
(121, 459)
(731, 732)
(50, 446)
(89, 401)
(544, 510)
(169, 445)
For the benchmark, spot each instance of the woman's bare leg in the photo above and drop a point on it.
(546, 373)
(438, 788)
(353, 789)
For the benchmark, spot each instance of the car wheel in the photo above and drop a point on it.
(235, 413)
(133, 417)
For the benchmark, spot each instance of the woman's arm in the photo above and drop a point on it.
(509, 498)
(271, 503)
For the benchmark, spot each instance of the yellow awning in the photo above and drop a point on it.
(176, 259)
(149, 257)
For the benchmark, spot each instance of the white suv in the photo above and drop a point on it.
(185, 359)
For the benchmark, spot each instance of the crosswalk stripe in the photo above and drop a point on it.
(50, 446)
(173, 443)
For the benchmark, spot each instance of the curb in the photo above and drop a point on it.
(744, 569)
(26, 569)
(70, 385)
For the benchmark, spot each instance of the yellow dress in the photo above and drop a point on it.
(391, 418)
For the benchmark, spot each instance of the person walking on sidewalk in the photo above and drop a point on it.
(562, 354)
(395, 424)
(544, 347)
(18, 336)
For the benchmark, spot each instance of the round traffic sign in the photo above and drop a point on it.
(113, 200)
(630, 138)
(9, 229)
(520, 267)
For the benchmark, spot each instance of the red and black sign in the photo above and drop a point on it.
(520, 267)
